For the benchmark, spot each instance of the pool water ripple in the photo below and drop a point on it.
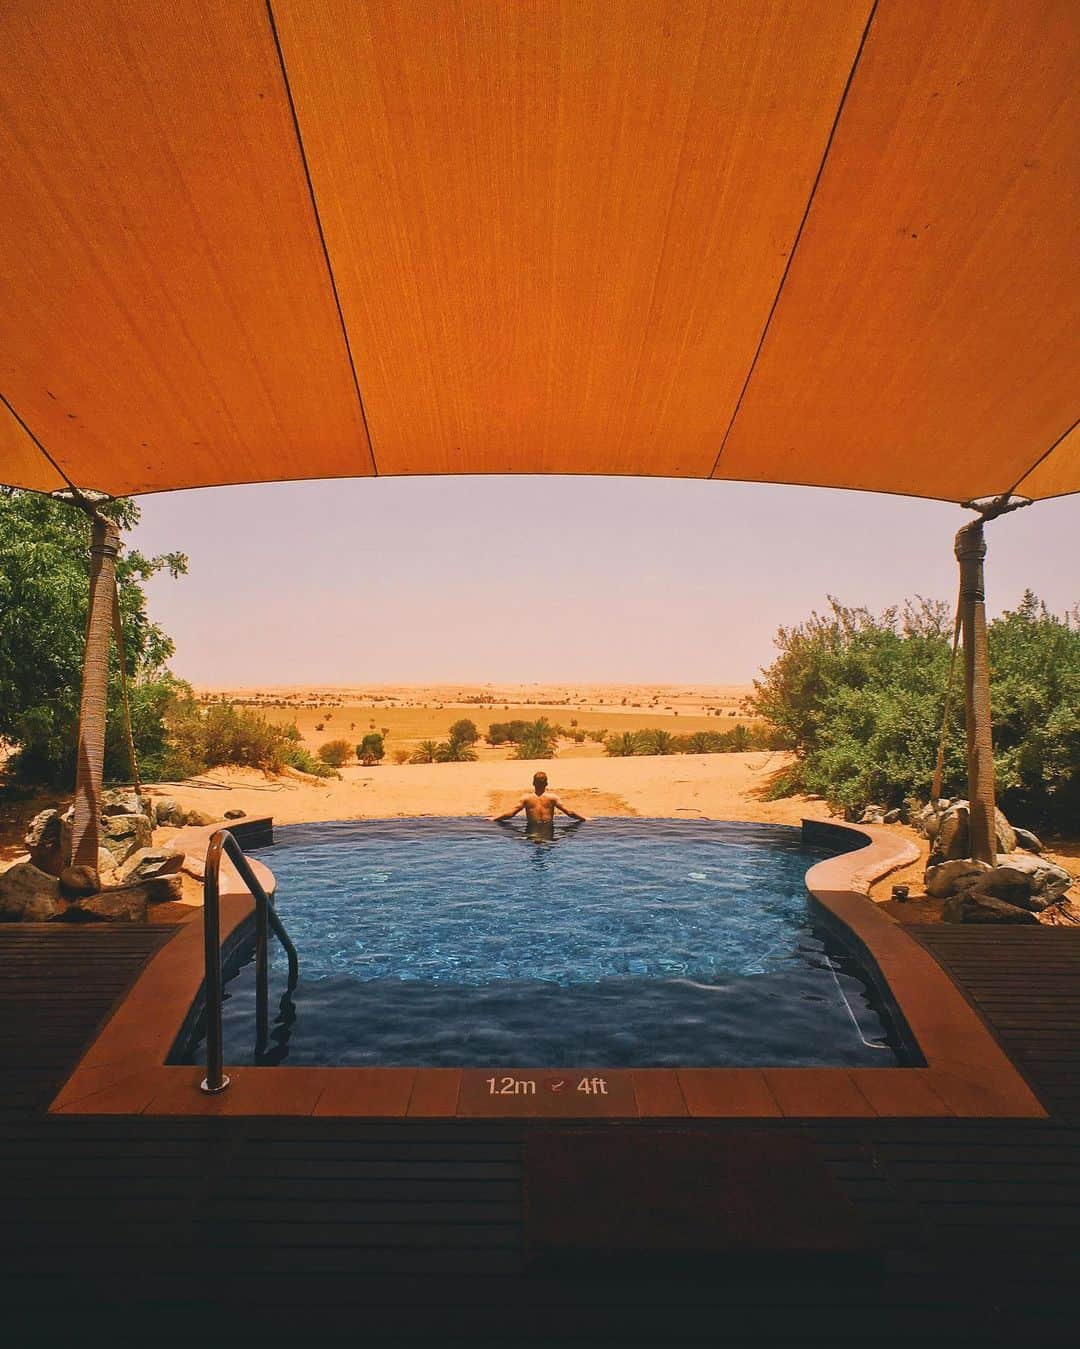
(620, 943)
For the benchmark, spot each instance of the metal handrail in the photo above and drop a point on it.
(265, 918)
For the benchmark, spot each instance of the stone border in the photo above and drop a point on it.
(967, 1075)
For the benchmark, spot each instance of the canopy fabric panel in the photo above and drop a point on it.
(831, 242)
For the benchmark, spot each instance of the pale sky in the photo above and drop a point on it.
(495, 579)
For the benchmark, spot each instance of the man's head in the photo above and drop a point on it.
(539, 783)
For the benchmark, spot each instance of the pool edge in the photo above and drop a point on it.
(967, 1074)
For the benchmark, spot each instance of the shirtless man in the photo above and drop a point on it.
(539, 806)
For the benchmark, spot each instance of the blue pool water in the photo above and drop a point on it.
(619, 943)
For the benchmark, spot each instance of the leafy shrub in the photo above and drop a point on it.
(860, 698)
(425, 752)
(401, 756)
(305, 762)
(335, 752)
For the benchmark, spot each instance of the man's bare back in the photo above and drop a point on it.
(539, 806)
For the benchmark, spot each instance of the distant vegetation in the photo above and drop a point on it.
(860, 699)
(738, 740)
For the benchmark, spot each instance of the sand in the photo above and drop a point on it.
(684, 786)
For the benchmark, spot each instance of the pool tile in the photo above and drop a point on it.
(900, 1091)
(658, 1092)
(129, 1096)
(727, 1092)
(375, 1092)
(252, 1091)
(817, 1092)
(998, 1095)
(435, 1092)
(547, 1093)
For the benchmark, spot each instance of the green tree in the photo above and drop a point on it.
(537, 741)
(425, 752)
(465, 732)
(658, 742)
(372, 749)
(44, 581)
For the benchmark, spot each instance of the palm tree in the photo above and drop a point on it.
(701, 742)
(659, 742)
(454, 751)
(537, 741)
(425, 752)
(623, 746)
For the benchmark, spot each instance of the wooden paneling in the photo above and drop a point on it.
(925, 341)
(557, 229)
(166, 312)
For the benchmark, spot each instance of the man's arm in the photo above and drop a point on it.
(507, 814)
(567, 811)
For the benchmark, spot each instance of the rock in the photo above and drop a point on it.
(951, 839)
(107, 866)
(124, 801)
(78, 882)
(951, 878)
(1027, 840)
(167, 810)
(972, 907)
(29, 895)
(199, 817)
(1026, 880)
(892, 816)
(111, 906)
(44, 842)
(148, 863)
(235, 814)
(123, 835)
(873, 815)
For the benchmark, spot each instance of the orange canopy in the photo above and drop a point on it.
(812, 241)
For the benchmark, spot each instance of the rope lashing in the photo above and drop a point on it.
(939, 767)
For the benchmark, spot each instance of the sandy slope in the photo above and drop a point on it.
(717, 786)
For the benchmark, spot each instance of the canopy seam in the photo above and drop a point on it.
(38, 443)
(319, 227)
(798, 236)
(1043, 457)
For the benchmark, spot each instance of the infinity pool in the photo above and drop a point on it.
(619, 943)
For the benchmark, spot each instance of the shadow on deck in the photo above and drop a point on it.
(313, 1229)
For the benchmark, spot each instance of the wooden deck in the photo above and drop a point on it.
(310, 1230)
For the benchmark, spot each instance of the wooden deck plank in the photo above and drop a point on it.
(411, 1229)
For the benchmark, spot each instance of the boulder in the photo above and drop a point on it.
(952, 878)
(124, 801)
(1029, 881)
(45, 842)
(235, 814)
(78, 882)
(927, 820)
(29, 895)
(111, 906)
(971, 907)
(952, 834)
(148, 863)
(873, 815)
(893, 816)
(123, 835)
(199, 817)
(1027, 840)
(169, 811)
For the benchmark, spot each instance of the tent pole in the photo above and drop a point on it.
(970, 551)
(90, 763)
